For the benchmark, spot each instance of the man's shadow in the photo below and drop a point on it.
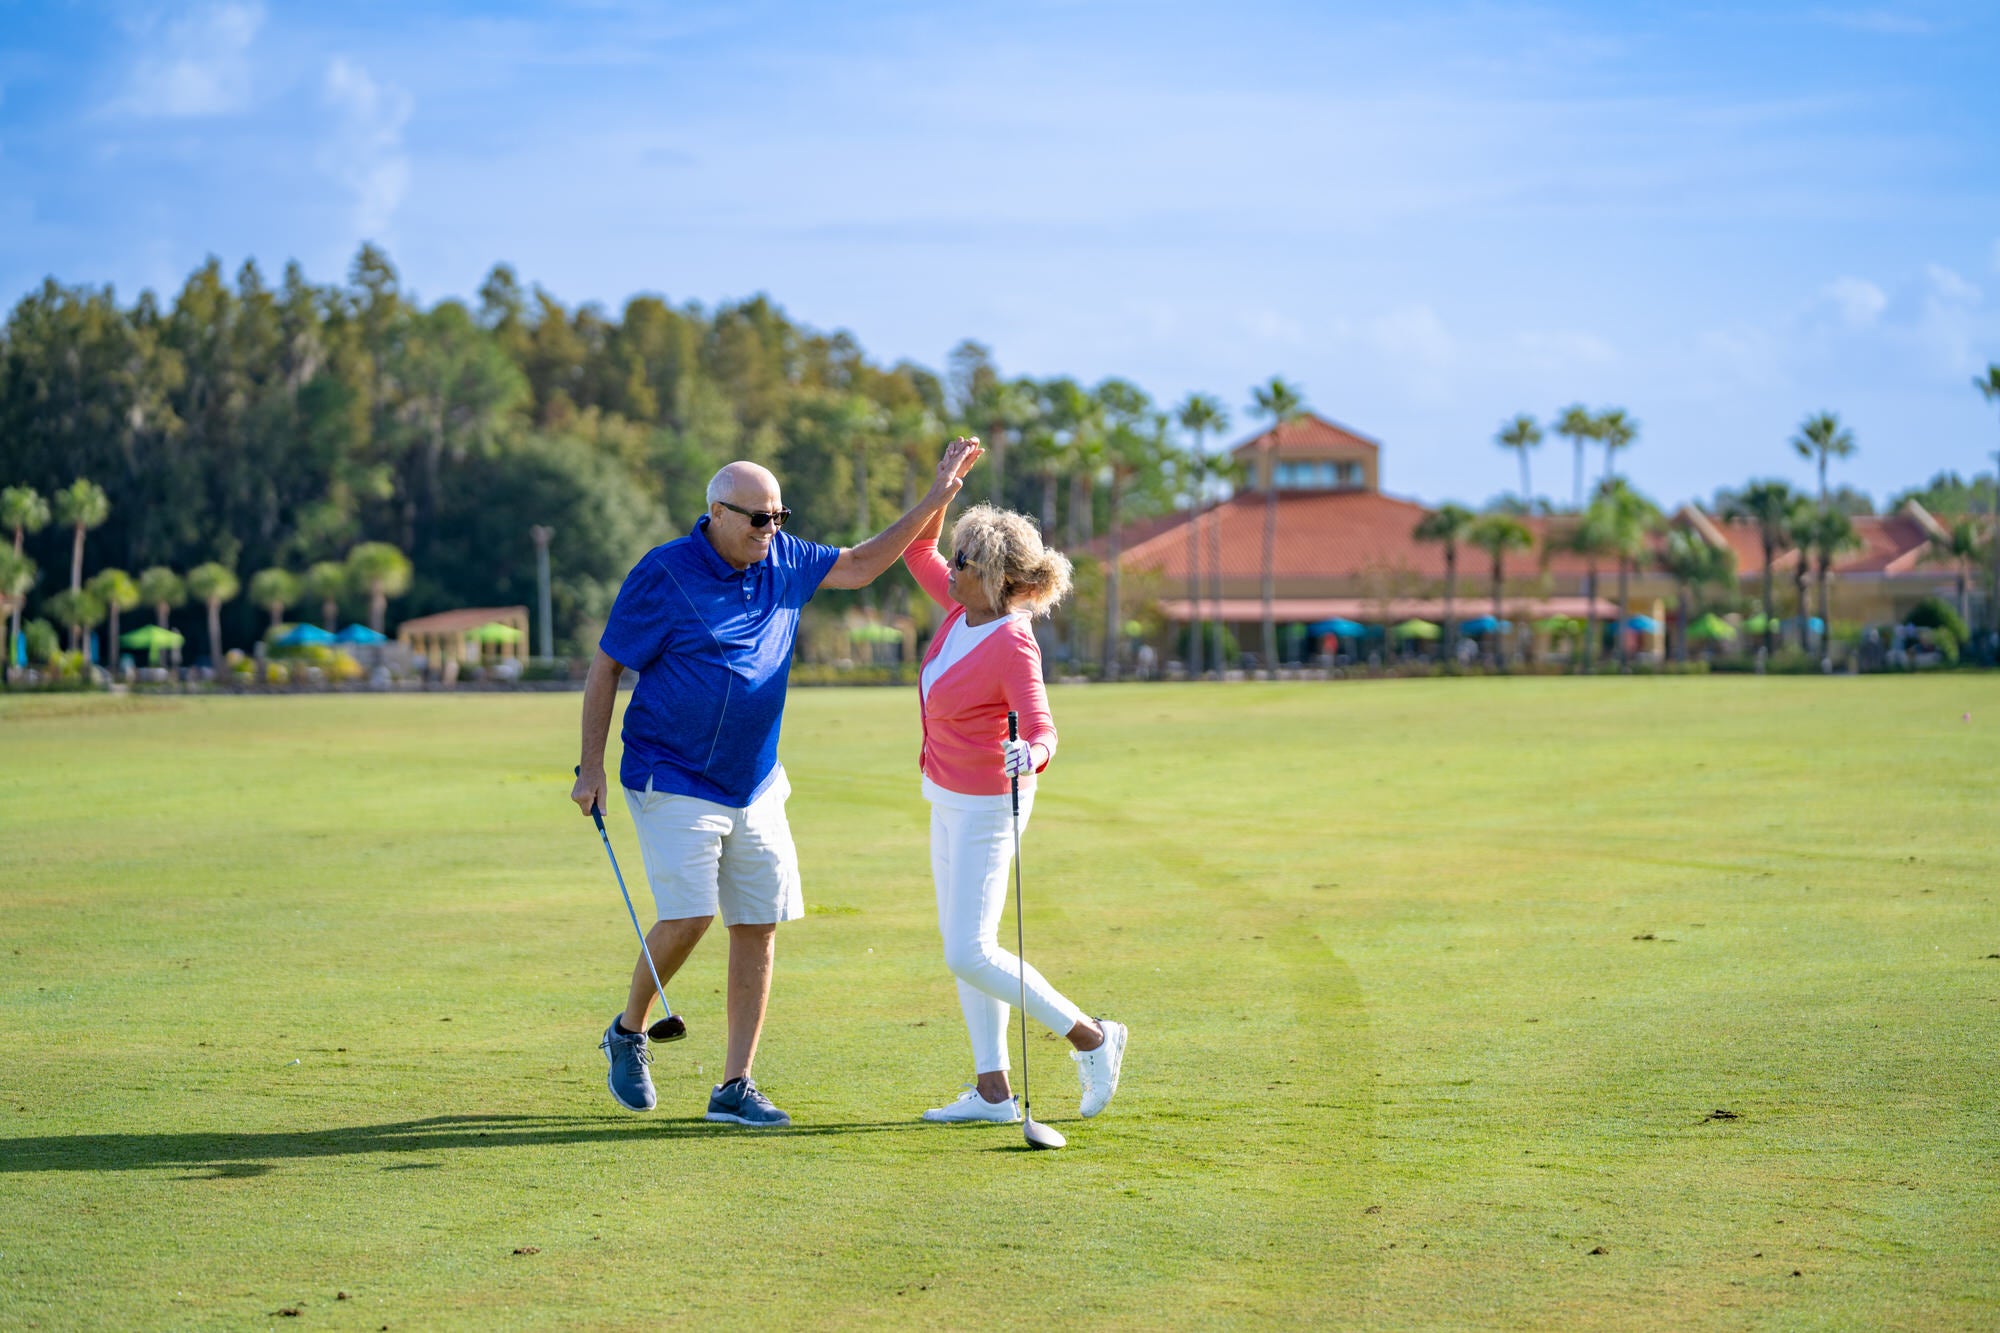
(234, 1156)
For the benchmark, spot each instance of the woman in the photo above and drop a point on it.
(983, 663)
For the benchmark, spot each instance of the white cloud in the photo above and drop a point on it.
(195, 65)
(364, 149)
(1412, 334)
(1856, 301)
(1560, 349)
(1877, 22)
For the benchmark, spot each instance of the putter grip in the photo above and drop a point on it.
(1014, 779)
(595, 813)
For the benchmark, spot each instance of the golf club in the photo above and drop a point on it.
(670, 1027)
(1038, 1136)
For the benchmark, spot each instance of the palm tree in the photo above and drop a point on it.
(326, 583)
(213, 583)
(115, 588)
(80, 610)
(1225, 471)
(1958, 547)
(1822, 436)
(1575, 424)
(22, 509)
(1589, 536)
(1198, 414)
(1631, 521)
(1280, 404)
(81, 505)
(1521, 434)
(1135, 445)
(1832, 536)
(1802, 527)
(17, 576)
(1770, 505)
(384, 571)
(1689, 560)
(274, 590)
(161, 589)
(1989, 389)
(1496, 534)
(1615, 431)
(1447, 526)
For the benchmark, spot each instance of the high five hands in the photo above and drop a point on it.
(959, 456)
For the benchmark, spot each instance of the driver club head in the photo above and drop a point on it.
(670, 1028)
(1040, 1135)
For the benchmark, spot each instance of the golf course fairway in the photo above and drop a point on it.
(1532, 1003)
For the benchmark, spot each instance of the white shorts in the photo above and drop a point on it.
(705, 859)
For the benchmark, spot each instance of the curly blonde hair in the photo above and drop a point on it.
(1005, 551)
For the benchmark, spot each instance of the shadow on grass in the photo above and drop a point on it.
(223, 1156)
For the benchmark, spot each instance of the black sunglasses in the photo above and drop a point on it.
(958, 560)
(758, 518)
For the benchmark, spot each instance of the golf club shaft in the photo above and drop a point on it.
(597, 815)
(1020, 931)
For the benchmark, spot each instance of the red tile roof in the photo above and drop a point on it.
(1310, 429)
(1322, 534)
(1891, 544)
(1348, 534)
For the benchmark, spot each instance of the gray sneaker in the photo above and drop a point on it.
(631, 1086)
(738, 1102)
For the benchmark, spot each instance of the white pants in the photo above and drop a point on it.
(971, 854)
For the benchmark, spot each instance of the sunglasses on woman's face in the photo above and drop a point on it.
(758, 518)
(958, 561)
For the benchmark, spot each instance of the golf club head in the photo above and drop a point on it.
(1040, 1135)
(670, 1028)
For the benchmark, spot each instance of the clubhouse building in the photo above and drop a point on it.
(1346, 550)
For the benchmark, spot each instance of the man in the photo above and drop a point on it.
(708, 622)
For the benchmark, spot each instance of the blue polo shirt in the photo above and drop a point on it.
(713, 648)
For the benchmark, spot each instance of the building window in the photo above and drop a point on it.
(1312, 475)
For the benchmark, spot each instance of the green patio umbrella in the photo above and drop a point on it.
(1557, 625)
(154, 640)
(495, 632)
(1710, 626)
(875, 634)
(1755, 624)
(1417, 629)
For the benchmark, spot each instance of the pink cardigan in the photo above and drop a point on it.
(965, 714)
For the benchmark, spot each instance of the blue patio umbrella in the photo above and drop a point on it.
(1814, 624)
(1484, 625)
(1340, 628)
(359, 634)
(1644, 624)
(299, 636)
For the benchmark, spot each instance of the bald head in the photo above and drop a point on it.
(741, 479)
(737, 492)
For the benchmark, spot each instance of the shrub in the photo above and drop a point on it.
(1938, 614)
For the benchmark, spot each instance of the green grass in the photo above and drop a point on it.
(1433, 987)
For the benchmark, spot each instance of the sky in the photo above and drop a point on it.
(1430, 216)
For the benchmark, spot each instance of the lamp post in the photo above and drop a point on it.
(541, 534)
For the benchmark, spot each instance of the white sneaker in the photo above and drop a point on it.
(1097, 1070)
(972, 1109)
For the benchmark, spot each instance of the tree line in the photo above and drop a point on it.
(346, 443)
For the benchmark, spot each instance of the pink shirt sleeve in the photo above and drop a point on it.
(927, 566)
(1021, 684)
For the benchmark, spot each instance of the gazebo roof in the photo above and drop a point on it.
(470, 618)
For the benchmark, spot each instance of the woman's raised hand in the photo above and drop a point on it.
(959, 456)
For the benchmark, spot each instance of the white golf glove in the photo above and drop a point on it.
(1017, 758)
